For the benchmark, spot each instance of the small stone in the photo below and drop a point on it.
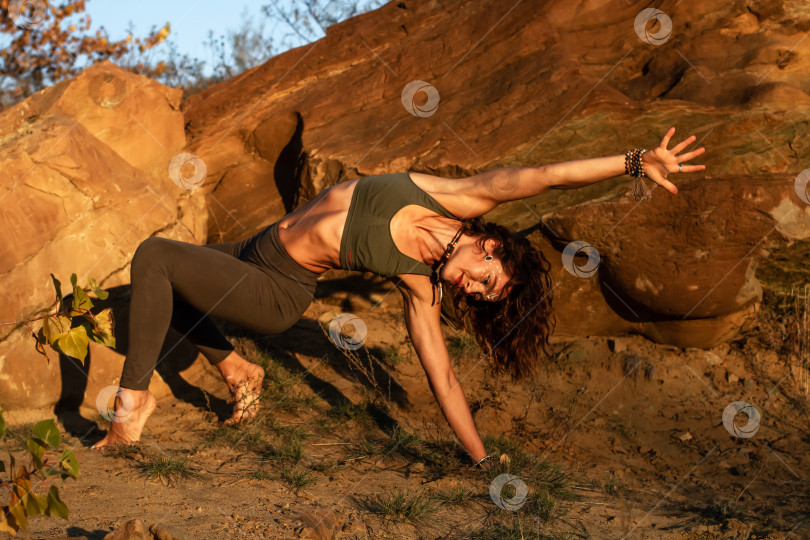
(732, 378)
(735, 525)
(317, 523)
(684, 436)
(712, 359)
(134, 529)
(161, 531)
(617, 345)
(504, 459)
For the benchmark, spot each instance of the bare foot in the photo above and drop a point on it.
(132, 408)
(245, 384)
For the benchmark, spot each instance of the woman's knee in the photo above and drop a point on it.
(150, 253)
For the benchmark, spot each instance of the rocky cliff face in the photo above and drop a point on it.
(454, 88)
(451, 88)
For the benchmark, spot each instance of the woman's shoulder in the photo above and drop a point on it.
(463, 197)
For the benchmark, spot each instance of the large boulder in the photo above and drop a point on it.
(83, 183)
(454, 89)
(446, 89)
(677, 269)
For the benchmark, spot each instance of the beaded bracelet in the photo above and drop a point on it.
(633, 167)
(483, 459)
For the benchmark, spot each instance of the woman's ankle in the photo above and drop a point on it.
(129, 397)
(231, 364)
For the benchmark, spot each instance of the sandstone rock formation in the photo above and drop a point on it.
(452, 89)
(679, 270)
(84, 182)
(457, 88)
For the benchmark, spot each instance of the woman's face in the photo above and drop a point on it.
(469, 272)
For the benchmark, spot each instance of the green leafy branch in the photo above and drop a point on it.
(58, 330)
(23, 501)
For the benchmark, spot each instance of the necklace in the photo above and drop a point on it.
(434, 277)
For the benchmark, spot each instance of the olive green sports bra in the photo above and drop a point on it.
(366, 243)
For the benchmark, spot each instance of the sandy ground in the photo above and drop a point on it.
(615, 438)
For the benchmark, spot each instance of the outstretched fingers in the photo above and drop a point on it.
(692, 168)
(683, 144)
(669, 186)
(667, 137)
(689, 155)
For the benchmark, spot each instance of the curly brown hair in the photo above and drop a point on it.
(514, 330)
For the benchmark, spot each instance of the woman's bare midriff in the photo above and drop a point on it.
(311, 234)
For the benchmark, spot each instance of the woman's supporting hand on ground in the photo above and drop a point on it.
(659, 161)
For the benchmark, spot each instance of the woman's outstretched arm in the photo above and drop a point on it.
(513, 183)
(657, 163)
(423, 323)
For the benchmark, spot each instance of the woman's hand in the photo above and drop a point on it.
(659, 162)
(484, 465)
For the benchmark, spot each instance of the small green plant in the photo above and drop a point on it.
(550, 487)
(296, 478)
(238, 436)
(720, 511)
(367, 447)
(289, 449)
(545, 506)
(462, 346)
(459, 495)
(345, 411)
(621, 430)
(324, 466)
(400, 506)
(165, 469)
(389, 355)
(16, 436)
(612, 485)
(443, 457)
(259, 474)
(24, 502)
(58, 330)
(406, 444)
(278, 383)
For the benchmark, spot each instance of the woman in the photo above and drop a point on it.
(422, 230)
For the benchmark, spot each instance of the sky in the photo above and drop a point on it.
(190, 20)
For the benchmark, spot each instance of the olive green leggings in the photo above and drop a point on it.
(253, 283)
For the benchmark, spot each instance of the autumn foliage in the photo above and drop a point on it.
(49, 41)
